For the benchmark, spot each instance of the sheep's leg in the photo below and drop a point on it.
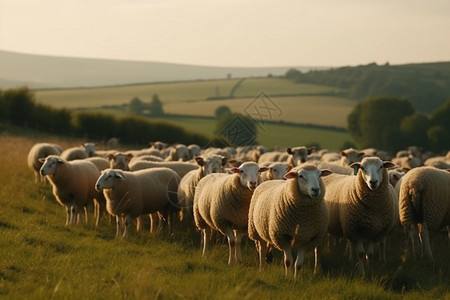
(288, 259)
(262, 251)
(231, 245)
(360, 255)
(118, 226)
(426, 245)
(68, 215)
(128, 222)
(238, 256)
(86, 214)
(414, 237)
(153, 222)
(299, 261)
(206, 232)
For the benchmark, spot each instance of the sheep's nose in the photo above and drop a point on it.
(315, 191)
(373, 184)
(252, 185)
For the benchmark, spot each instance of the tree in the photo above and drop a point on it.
(136, 106)
(156, 106)
(236, 130)
(414, 129)
(221, 110)
(376, 122)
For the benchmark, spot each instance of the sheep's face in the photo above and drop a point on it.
(211, 164)
(119, 161)
(372, 170)
(351, 155)
(278, 170)
(107, 179)
(50, 165)
(308, 180)
(299, 154)
(194, 150)
(180, 152)
(89, 148)
(249, 174)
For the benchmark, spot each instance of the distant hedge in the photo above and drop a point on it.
(18, 107)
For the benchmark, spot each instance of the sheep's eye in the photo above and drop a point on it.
(301, 177)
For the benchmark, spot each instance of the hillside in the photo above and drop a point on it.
(38, 71)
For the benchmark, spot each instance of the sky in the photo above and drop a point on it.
(238, 33)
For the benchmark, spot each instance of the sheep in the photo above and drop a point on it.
(136, 193)
(37, 152)
(178, 152)
(424, 203)
(84, 151)
(273, 156)
(407, 162)
(100, 162)
(298, 155)
(394, 176)
(194, 151)
(362, 207)
(186, 190)
(158, 145)
(118, 160)
(182, 168)
(289, 214)
(276, 170)
(439, 162)
(221, 203)
(350, 155)
(73, 185)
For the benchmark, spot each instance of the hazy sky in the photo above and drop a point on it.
(231, 32)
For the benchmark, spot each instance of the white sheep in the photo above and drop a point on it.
(186, 190)
(394, 176)
(100, 162)
(178, 152)
(118, 160)
(440, 162)
(424, 203)
(181, 167)
(73, 185)
(276, 170)
(81, 152)
(407, 162)
(133, 194)
(193, 150)
(350, 155)
(298, 155)
(221, 202)
(288, 214)
(36, 153)
(362, 207)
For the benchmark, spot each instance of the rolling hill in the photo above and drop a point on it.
(38, 71)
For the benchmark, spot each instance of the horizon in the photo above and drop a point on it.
(231, 34)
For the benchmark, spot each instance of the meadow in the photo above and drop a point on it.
(43, 259)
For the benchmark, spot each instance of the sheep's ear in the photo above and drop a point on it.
(60, 160)
(42, 160)
(325, 172)
(224, 161)
(291, 175)
(263, 169)
(110, 156)
(289, 150)
(311, 149)
(343, 153)
(118, 175)
(355, 166)
(361, 154)
(129, 156)
(235, 170)
(388, 164)
(199, 160)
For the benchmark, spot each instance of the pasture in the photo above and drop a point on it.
(42, 258)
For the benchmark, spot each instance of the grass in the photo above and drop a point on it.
(42, 258)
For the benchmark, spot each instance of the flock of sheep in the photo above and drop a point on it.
(292, 200)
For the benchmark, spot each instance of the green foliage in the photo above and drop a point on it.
(156, 106)
(376, 123)
(414, 129)
(425, 85)
(221, 110)
(136, 106)
(236, 130)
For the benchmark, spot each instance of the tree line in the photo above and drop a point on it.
(426, 86)
(18, 107)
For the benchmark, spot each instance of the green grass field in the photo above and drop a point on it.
(44, 259)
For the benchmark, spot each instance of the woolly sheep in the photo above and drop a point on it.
(350, 155)
(407, 162)
(394, 176)
(36, 153)
(178, 152)
(158, 145)
(440, 162)
(100, 162)
(193, 150)
(119, 160)
(273, 156)
(180, 167)
(137, 193)
(221, 202)
(424, 199)
(288, 214)
(84, 151)
(73, 185)
(298, 155)
(276, 170)
(362, 207)
(186, 190)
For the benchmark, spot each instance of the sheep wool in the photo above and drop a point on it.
(37, 152)
(424, 199)
(361, 208)
(289, 214)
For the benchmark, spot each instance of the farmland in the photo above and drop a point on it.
(42, 258)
